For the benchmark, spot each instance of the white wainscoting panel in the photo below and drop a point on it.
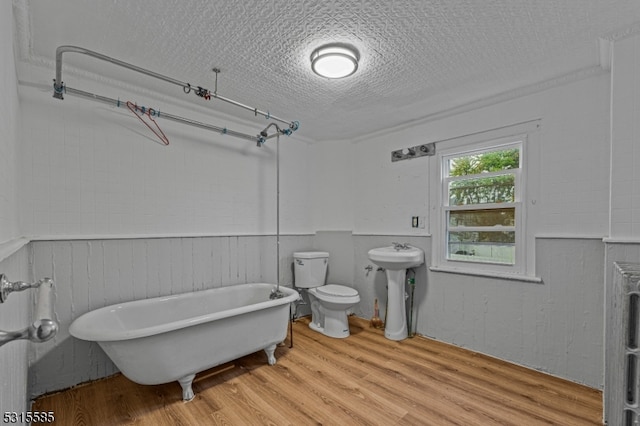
(90, 274)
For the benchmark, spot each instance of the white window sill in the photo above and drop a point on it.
(488, 274)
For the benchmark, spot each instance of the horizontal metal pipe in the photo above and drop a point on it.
(256, 111)
(9, 336)
(123, 104)
(58, 85)
(63, 49)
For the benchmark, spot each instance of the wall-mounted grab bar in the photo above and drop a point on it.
(44, 326)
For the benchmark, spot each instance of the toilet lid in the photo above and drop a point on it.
(337, 290)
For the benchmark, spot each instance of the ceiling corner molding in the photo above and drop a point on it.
(623, 33)
(22, 29)
(508, 95)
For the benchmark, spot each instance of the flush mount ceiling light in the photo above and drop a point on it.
(334, 61)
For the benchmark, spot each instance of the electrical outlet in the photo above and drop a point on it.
(421, 220)
(414, 221)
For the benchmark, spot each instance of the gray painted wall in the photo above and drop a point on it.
(555, 326)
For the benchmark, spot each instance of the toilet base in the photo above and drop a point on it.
(335, 325)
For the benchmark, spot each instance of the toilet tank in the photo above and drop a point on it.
(310, 268)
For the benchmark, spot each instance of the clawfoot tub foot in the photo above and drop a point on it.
(271, 359)
(187, 391)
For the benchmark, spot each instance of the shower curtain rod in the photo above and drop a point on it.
(121, 104)
(59, 88)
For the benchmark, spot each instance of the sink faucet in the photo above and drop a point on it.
(399, 246)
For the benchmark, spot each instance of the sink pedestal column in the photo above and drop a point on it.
(396, 325)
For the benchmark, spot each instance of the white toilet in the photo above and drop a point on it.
(329, 303)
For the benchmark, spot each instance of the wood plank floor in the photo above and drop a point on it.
(362, 380)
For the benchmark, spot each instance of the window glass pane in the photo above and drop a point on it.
(495, 189)
(487, 217)
(492, 161)
(496, 247)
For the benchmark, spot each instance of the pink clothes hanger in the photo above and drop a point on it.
(142, 112)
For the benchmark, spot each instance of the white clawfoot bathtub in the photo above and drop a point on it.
(163, 339)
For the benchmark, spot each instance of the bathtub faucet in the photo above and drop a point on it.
(276, 293)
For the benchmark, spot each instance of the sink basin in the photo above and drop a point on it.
(390, 258)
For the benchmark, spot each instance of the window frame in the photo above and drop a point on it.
(442, 252)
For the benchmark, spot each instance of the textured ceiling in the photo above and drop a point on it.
(418, 57)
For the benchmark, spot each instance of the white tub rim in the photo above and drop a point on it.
(79, 329)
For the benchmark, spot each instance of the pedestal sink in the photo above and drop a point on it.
(395, 260)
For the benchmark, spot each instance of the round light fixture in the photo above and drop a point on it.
(334, 61)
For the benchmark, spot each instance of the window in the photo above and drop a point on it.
(482, 213)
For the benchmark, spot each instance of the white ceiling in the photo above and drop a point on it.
(418, 57)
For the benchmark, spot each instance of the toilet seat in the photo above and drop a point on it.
(337, 290)
(336, 294)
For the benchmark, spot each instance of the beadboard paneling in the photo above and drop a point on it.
(90, 274)
(15, 314)
(555, 326)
